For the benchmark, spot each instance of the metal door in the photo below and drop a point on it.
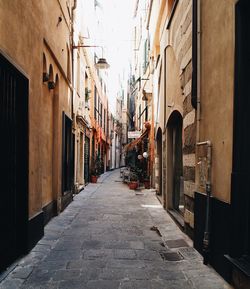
(13, 162)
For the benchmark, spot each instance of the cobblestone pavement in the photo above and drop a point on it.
(111, 237)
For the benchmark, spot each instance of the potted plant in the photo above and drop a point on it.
(93, 177)
(94, 172)
(146, 182)
(133, 181)
(143, 177)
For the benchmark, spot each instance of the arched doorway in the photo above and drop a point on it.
(175, 194)
(159, 161)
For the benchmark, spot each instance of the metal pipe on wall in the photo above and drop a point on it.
(72, 56)
(198, 111)
(196, 102)
(206, 237)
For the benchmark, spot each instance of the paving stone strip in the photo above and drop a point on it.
(111, 237)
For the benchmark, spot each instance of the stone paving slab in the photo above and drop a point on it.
(110, 237)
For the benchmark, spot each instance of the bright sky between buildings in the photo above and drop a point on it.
(117, 40)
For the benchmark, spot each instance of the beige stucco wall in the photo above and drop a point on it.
(21, 34)
(217, 71)
(23, 27)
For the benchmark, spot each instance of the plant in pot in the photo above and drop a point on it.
(94, 172)
(146, 182)
(145, 179)
(93, 176)
(133, 181)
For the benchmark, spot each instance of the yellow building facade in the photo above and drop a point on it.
(222, 117)
(39, 65)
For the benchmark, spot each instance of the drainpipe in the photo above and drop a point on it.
(195, 93)
(72, 55)
(194, 54)
(206, 237)
(196, 102)
(72, 91)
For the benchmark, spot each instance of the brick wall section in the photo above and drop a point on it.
(186, 75)
(189, 173)
(189, 139)
(187, 106)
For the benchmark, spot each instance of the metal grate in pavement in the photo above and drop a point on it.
(176, 243)
(171, 256)
(189, 253)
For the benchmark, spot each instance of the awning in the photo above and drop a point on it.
(135, 142)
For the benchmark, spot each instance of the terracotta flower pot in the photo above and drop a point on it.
(94, 179)
(133, 185)
(147, 125)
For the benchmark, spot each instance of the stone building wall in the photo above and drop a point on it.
(175, 39)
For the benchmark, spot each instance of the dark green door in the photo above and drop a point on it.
(86, 159)
(14, 162)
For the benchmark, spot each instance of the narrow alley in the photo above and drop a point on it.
(111, 237)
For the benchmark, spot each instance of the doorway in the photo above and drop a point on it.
(175, 163)
(68, 155)
(14, 89)
(240, 195)
(86, 159)
(159, 161)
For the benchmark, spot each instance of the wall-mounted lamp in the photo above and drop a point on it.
(59, 20)
(51, 84)
(102, 62)
(45, 76)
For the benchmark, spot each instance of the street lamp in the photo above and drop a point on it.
(102, 62)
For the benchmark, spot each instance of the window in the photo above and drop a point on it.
(95, 104)
(68, 64)
(78, 76)
(140, 116)
(87, 91)
(100, 113)
(104, 121)
(145, 64)
(98, 109)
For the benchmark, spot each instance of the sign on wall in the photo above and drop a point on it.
(134, 134)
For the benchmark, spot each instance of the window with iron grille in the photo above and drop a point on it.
(104, 120)
(100, 113)
(95, 104)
